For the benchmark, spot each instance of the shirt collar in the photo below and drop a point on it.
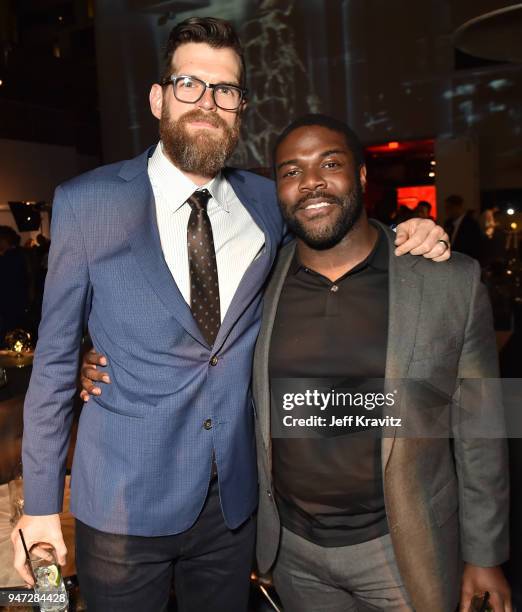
(177, 188)
(377, 259)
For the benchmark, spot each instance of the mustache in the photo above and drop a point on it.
(324, 195)
(199, 115)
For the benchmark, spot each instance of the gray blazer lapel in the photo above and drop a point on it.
(405, 295)
(261, 382)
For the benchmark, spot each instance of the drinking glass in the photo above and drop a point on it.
(50, 588)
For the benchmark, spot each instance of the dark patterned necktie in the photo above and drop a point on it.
(204, 286)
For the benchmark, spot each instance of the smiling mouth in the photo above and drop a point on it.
(316, 206)
(316, 210)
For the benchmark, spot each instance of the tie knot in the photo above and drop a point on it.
(199, 199)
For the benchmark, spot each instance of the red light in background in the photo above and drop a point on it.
(404, 147)
(411, 196)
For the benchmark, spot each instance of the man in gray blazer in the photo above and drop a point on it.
(357, 522)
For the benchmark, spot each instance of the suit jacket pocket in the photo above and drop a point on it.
(445, 502)
(118, 411)
(435, 347)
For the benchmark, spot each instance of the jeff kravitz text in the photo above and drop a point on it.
(345, 421)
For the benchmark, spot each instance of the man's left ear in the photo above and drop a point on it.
(362, 177)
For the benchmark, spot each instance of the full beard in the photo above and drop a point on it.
(352, 206)
(201, 153)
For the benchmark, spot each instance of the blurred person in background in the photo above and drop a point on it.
(423, 210)
(462, 228)
(14, 282)
(37, 257)
(489, 222)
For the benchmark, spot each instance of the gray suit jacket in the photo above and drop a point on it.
(446, 500)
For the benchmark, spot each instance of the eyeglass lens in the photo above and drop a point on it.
(189, 89)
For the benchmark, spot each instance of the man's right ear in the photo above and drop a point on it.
(362, 177)
(156, 100)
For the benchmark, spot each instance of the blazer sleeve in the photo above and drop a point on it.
(482, 464)
(49, 400)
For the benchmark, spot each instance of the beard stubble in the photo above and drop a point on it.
(203, 152)
(352, 206)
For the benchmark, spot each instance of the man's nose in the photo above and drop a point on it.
(207, 100)
(312, 180)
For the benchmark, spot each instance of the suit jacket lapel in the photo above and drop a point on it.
(138, 212)
(405, 294)
(261, 374)
(254, 277)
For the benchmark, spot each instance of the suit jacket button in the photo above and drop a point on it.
(269, 493)
(207, 424)
(214, 361)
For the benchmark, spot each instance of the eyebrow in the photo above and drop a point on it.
(290, 162)
(193, 76)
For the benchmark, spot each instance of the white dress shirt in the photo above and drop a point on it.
(237, 238)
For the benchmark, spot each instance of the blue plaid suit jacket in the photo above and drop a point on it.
(143, 457)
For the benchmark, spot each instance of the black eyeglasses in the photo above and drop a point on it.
(190, 89)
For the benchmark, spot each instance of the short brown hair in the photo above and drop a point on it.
(212, 31)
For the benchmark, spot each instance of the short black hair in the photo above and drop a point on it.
(318, 119)
(217, 33)
(10, 235)
(424, 204)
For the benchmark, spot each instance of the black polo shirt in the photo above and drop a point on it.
(329, 490)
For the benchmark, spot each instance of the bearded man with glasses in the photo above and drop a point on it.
(164, 258)
(198, 150)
